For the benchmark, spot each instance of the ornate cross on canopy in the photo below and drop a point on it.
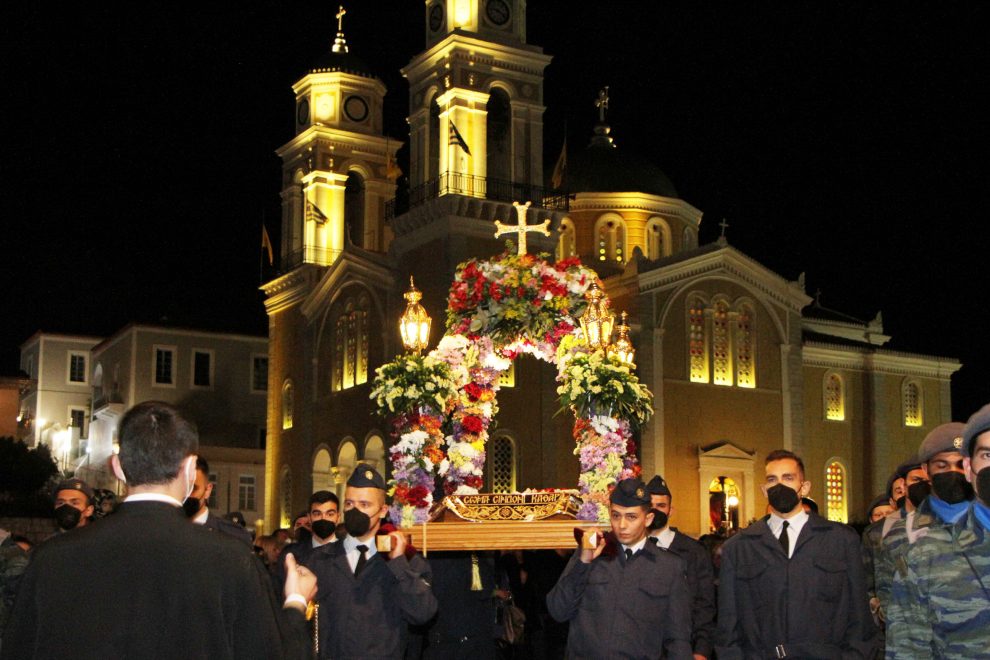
(602, 103)
(724, 225)
(522, 228)
(340, 18)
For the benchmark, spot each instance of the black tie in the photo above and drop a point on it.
(785, 541)
(362, 560)
(629, 554)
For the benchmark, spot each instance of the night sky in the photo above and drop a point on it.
(842, 140)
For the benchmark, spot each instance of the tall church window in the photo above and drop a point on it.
(350, 358)
(721, 348)
(835, 492)
(835, 405)
(433, 157)
(913, 403)
(288, 404)
(697, 340)
(354, 200)
(565, 246)
(503, 464)
(610, 233)
(744, 345)
(657, 239)
(499, 152)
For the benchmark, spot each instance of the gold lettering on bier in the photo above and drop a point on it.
(511, 506)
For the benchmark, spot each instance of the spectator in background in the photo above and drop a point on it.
(196, 507)
(73, 505)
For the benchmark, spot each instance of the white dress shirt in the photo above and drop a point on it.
(796, 522)
(352, 553)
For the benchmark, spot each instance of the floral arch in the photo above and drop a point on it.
(441, 405)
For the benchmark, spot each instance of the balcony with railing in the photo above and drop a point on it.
(498, 190)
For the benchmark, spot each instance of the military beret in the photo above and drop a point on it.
(978, 423)
(630, 492)
(907, 466)
(879, 500)
(944, 437)
(75, 484)
(657, 486)
(365, 476)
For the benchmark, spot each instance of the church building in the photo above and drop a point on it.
(740, 359)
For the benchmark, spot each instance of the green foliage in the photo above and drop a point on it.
(24, 473)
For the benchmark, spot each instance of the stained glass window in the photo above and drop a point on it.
(340, 336)
(835, 492)
(834, 403)
(288, 404)
(912, 404)
(745, 369)
(611, 240)
(361, 314)
(721, 357)
(350, 345)
(697, 342)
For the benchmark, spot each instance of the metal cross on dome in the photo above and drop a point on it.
(522, 228)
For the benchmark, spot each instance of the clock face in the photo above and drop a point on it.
(436, 17)
(498, 11)
(302, 111)
(356, 108)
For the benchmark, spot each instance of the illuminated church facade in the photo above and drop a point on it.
(740, 359)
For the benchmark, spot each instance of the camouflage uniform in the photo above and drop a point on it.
(946, 608)
(893, 535)
(872, 538)
(13, 561)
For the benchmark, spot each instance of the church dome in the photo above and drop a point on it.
(603, 167)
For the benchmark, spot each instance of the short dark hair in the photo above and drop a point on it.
(301, 514)
(154, 440)
(781, 454)
(322, 497)
(202, 465)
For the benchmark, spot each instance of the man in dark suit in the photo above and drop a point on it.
(700, 573)
(151, 584)
(630, 602)
(366, 602)
(792, 586)
(322, 518)
(196, 507)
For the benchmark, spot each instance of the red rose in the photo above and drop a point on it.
(472, 424)
(417, 496)
(474, 391)
(473, 481)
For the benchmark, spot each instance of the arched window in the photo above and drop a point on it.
(721, 344)
(288, 404)
(502, 458)
(350, 358)
(433, 159)
(374, 452)
(322, 475)
(346, 462)
(610, 234)
(285, 497)
(745, 347)
(911, 395)
(835, 492)
(354, 199)
(834, 397)
(697, 340)
(689, 239)
(657, 238)
(499, 125)
(566, 246)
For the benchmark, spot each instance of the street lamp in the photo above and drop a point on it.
(414, 324)
(623, 348)
(597, 322)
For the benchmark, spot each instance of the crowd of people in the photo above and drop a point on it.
(164, 576)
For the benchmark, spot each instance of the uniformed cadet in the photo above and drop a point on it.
(700, 573)
(881, 507)
(940, 456)
(73, 504)
(948, 570)
(893, 531)
(196, 507)
(631, 601)
(366, 600)
(792, 585)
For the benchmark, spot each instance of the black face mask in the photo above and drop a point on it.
(67, 516)
(356, 522)
(918, 491)
(324, 528)
(983, 485)
(191, 506)
(952, 487)
(660, 519)
(899, 502)
(783, 499)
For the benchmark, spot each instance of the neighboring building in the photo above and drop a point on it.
(740, 360)
(54, 407)
(12, 388)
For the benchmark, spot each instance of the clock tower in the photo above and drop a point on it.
(476, 99)
(338, 170)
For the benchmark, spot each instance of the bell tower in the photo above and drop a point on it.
(476, 99)
(338, 170)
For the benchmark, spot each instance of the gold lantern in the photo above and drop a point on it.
(414, 324)
(597, 322)
(623, 348)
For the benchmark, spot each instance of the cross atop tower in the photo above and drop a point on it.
(724, 225)
(340, 18)
(340, 43)
(522, 228)
(602, 104)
